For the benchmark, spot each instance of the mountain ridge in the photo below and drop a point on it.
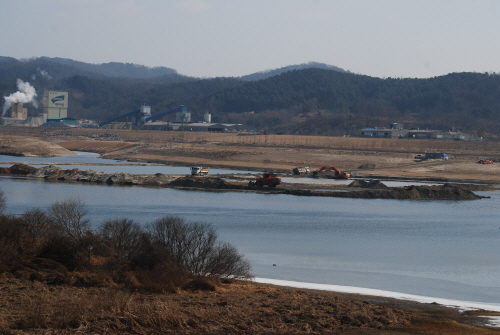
(305, 100)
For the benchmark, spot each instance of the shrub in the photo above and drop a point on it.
(68, 218)
(11, 233)
(37, 229)
(62, 250)
(194, 246)
(123, 236)
(165, 277)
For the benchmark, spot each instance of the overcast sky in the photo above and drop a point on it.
(202, 38)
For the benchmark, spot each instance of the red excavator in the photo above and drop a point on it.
(268, 178)
(337, 175)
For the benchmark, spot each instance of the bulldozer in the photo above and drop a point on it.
(267, 178)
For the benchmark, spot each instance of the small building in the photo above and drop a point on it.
(396, 126)
(425, 133)
(458, 136)
(396, 131)
(217, 128)
(383, 133)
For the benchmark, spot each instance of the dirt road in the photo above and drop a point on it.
(282, 153)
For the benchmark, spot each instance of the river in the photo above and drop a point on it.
(441, 249)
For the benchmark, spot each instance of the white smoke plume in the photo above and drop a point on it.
(26, 94)
(43, 73)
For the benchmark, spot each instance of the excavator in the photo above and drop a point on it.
(338, 174)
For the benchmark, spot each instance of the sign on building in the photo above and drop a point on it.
(55, 104)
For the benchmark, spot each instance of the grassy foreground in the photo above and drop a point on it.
(215, 307)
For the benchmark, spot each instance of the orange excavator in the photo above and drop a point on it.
(337, 175)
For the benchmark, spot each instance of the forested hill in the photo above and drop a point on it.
(271, 73)
(58, 68)
(114, 69)
(308, 101)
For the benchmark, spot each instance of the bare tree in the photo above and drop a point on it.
(123, 236)
(225, 261)
(68, 218)
(194, 246)
(36, 229)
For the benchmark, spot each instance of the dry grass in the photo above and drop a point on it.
(232, 308)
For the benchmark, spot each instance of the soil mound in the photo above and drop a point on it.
(444, 192)
(200, 182)
(18, 169)
(30, 147)
(374, 184)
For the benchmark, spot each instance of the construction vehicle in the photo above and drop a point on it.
(268, 178)
(301, 170)
(199, 171)
(337, 173)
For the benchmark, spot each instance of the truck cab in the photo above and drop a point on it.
(199, 171)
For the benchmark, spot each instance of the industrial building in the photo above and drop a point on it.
(15, 115)
(396, 131)
(143, 119)
(55, 104)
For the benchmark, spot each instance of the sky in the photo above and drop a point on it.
(203, 38)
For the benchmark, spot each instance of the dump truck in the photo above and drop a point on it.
(301, 170)
(199, 171)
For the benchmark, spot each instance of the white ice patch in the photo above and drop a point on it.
(462, 305)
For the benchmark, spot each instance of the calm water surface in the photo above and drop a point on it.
(92, 158)
(446, 249)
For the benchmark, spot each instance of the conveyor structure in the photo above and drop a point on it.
(143, 115)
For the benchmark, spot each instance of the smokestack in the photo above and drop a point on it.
(26, 94)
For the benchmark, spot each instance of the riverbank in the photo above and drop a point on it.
(358, 189)
(229, 307)
(434, 315)
(367, 158)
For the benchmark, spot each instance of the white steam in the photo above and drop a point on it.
(26, 94)
(42, 73)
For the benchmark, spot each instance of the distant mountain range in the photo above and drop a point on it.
(271, 73)
(135, 71)
(310, 98)
(115, 69)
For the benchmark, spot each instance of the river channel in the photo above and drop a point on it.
(442, 249)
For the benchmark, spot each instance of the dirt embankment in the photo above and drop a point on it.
(366, 190)
(30, 147)
(364, 158)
